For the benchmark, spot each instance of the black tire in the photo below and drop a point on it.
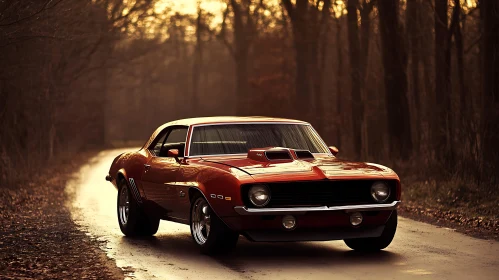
(137, 223)
(220, 238)
(374, 244)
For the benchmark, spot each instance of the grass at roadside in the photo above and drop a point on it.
(38, 238)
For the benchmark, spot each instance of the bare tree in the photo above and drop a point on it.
(458, 39)
(489, 11)
(308, 20)
(413, 29)
(56, 52)
(359, 51)
(198, 59)
(395, 63)
(339, 76)
(245, 13)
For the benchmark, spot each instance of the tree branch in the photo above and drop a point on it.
(43, 8)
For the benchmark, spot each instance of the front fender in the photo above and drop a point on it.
(131, 184)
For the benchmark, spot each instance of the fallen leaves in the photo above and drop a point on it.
(469, 207)
(462, 221)
(39, 240)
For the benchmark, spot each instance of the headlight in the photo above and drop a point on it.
(259, 195)
(380, 191)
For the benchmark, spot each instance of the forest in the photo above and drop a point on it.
(413, 84)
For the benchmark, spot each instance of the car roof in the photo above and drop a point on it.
(229, 119)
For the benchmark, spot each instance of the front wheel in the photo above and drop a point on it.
(373, 244)
(131, 218)
(208, 231)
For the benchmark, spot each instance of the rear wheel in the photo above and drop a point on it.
(131, 218)
(376, 243)
(208, 231)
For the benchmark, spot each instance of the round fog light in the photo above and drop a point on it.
(289, 222)
(356, 218)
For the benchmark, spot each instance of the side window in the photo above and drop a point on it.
(175, 139)
(159, 143)
(170, 138)
(177, 135)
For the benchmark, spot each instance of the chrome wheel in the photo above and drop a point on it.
(200, 221)
(123, 205)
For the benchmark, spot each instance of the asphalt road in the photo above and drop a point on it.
(419, 251)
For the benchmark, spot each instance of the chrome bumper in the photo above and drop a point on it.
(243, 210)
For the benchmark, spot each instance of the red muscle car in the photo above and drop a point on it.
(268, 179)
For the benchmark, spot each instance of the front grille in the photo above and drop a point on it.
(320, 193)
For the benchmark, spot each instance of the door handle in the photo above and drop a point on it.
(147, 166)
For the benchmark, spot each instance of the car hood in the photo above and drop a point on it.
(321, 168)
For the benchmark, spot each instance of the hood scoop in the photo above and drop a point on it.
(270, 154)
(304, 154)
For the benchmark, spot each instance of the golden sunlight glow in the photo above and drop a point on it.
(165, 8)
(190, 6)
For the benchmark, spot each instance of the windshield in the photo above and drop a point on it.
(240, 138)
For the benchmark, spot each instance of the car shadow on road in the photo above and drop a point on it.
(300, 254)
(250, 254)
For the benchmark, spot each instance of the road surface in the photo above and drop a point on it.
(419, 251)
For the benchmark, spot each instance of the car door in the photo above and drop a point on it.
(161, 171)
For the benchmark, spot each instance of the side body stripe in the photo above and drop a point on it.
(134, 189)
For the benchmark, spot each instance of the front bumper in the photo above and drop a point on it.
(312, 223)
(243, 210)
(318, 234)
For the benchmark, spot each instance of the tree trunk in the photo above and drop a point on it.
(490, 19)
(414, 45)
(394, 63)
(316, 79)
(241, 53)
(198, 62)
(443, 126)
(302, 99)
(302, 102)
(356, 79)
(465, 103)
(318, 38)
(428, 114)
(365, 31)
(339, 84)
(458, 38)
(242, 85)
(307, 22)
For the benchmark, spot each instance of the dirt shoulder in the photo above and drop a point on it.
(38, 238)
(467, 208)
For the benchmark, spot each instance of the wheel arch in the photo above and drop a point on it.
(192, 194)
(121, 175)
